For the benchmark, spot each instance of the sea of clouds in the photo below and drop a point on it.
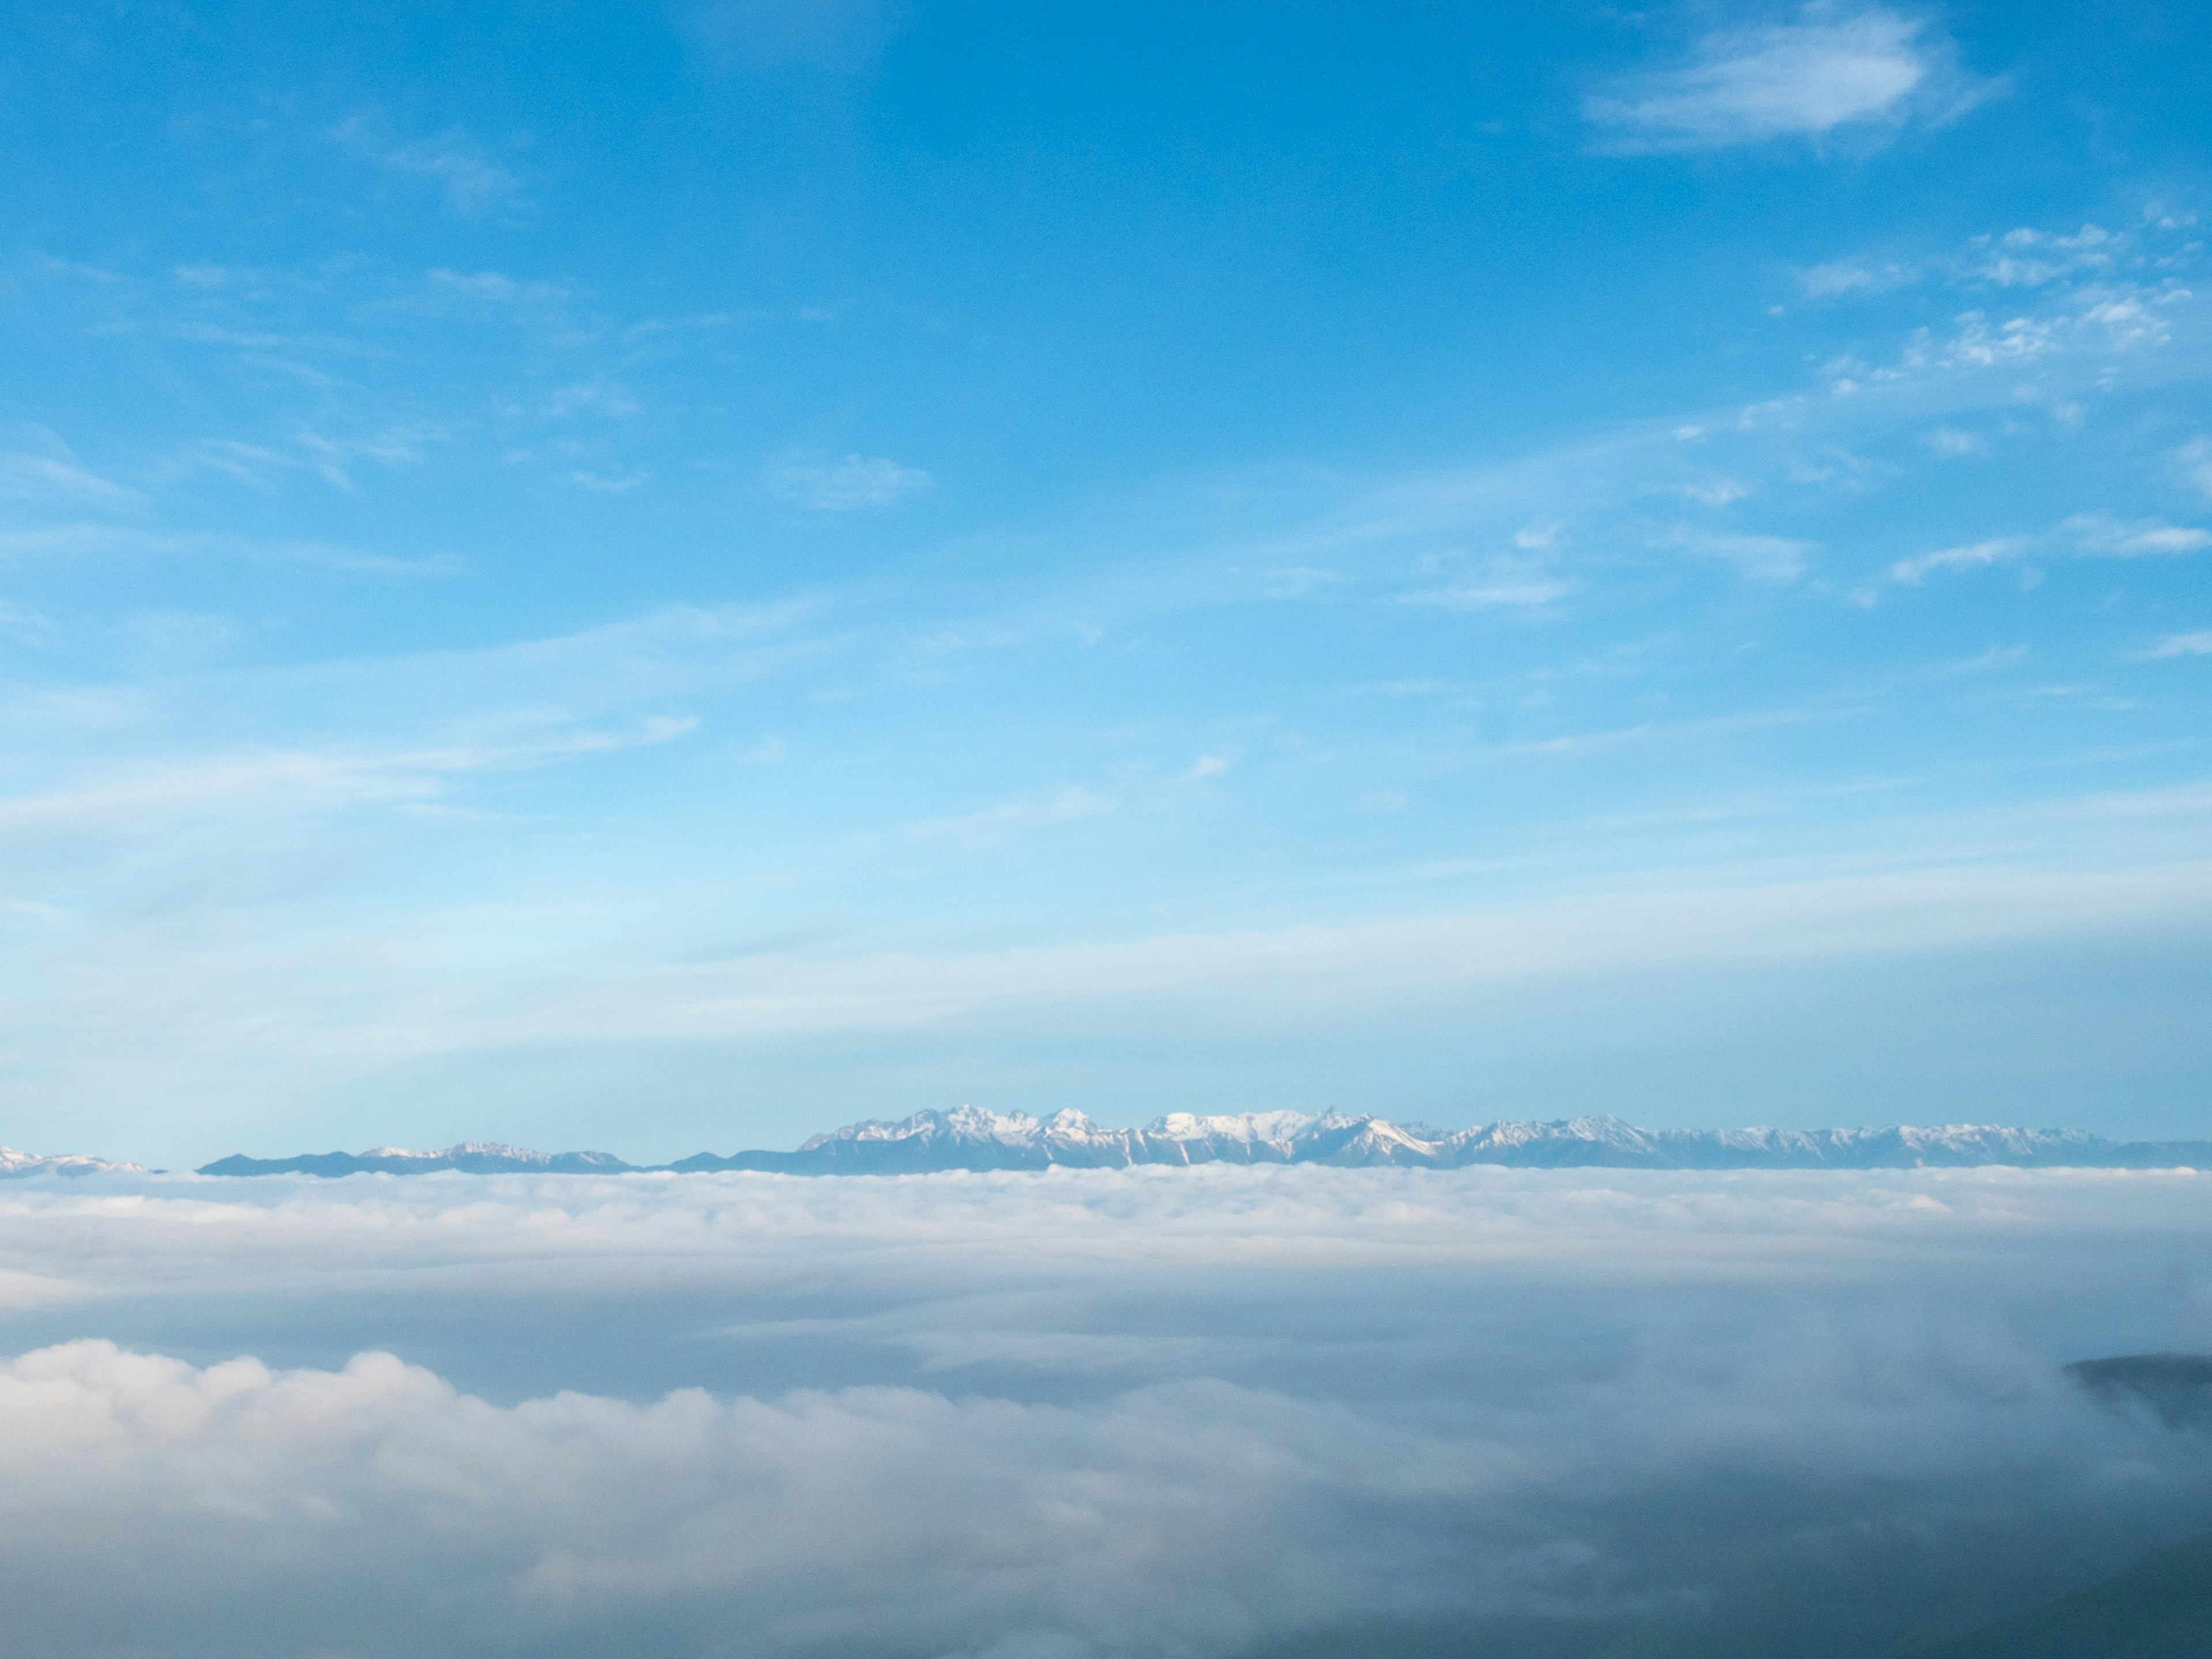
(1213, 1412)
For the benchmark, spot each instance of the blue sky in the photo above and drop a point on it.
(667, 577)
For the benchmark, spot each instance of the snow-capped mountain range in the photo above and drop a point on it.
(971, 1139)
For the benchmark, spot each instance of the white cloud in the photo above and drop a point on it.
(1969, 556)
(101, 540)
(1761, 558)
(26, 626)
(496, 287)
(151, 800)
(474, 183)
(860, 1518)
(471, 982)
(994, 824)
(847, 485)
(606, 483)
(1823, 74)
(1503, 581)
(46, 469)
(600, 397)
(2181, 644)
(844, 36)
(405, 443)
(2085, 535)
(2104, 537)
(1718, 492)
(249, 464)
(1842, 278)
(2027, 257)
(1952, 444)
(2194, 462)
(2015, 341)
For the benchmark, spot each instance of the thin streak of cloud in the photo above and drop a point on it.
(1771, 559)
(496, 288)
(131, 805)
(1854, 278)
(54, 473)
(995, 824)
(2193, 460)
(474, 184)
(2105, 536)
(1501, 582)
(855, 483)
(2198, 644)
(2085, 535)
(1969, 556)
(107, 541)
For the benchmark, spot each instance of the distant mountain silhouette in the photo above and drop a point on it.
(470, 1157)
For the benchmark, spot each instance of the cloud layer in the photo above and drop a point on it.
(1097, 1413)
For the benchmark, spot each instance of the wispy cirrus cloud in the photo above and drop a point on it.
(1774, 559)
(1967, 555)
(405, 443)
(996, 824)
(1503, 581)
(604, 399)
(1852, 278)
(2193, 460)
(2102, 536)
(496, 288)
(2198, 644)
(299, 781)
(2085, 535)
(1823, 76)
(853, 483)
(41, 467)
(111, 541)
(473, 181)
(842, 36)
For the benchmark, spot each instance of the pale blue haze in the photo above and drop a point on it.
(663, 578)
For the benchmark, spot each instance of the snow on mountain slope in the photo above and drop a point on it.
(970, 1137)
